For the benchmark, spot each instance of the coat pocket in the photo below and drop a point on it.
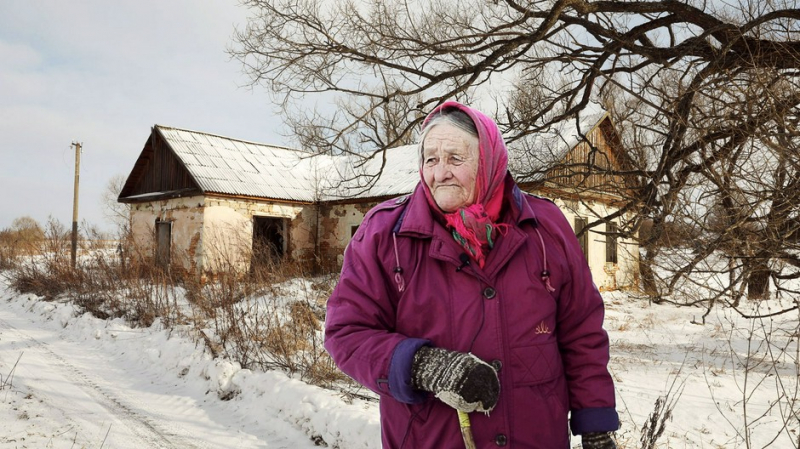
(535, 364)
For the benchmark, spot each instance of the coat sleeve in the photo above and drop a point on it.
(360, 321)
(582, 341)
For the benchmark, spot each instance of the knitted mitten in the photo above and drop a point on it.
(460, 380)
(598, 440)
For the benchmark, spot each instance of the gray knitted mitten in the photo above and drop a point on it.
(598, 440)
(460, 380)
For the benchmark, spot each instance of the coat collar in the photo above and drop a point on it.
(417, 221)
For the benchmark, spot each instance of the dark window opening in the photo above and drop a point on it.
(581, 224)
(269, 241)
(611, 243)
(353, 230)
(163, 243)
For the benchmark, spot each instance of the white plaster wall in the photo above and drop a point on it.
(212, 233)
(228, 230)
(227, 238)
(351, 216)
(607, 276)
(186, 216)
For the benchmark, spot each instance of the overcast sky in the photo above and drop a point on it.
(103, 73)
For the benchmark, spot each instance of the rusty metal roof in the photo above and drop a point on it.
(236, 167)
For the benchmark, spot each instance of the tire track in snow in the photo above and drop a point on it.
(150, 433)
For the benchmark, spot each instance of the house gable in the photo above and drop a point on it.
(157, 174)
(178, 162)
(589, 168)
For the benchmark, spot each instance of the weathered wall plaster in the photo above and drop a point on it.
(186, 216)
(216, 233)
(335, 230)
(607, 276)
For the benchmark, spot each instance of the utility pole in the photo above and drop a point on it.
(75, 203)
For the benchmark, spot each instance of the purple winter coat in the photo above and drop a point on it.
(550, 349)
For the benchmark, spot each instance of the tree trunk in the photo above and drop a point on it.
(758, 282)
(646, 264)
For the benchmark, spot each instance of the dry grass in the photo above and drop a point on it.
(250, 318)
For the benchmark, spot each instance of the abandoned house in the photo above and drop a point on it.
(204, 202)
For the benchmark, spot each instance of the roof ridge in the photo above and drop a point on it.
(233, 138)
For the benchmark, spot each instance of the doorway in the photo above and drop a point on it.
(269, 240)
(163, 243)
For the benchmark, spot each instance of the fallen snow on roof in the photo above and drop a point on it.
(223, 165)
(530, 159)
(236, 167)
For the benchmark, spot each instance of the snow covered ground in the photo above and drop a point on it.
(73, 381)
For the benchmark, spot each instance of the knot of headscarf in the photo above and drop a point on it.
(475, 227)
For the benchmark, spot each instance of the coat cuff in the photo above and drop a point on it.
(400, 371)
(603, 419)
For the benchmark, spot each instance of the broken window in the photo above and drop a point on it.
(269, 240)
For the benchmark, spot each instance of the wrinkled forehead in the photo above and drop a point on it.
(447, 137)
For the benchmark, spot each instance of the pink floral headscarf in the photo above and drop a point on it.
(475, 226)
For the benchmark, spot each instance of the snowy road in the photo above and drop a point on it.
(73, 382)
(94, 395)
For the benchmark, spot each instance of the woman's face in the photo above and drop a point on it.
(450, 166)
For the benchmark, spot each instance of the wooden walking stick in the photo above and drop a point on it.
(466, 429)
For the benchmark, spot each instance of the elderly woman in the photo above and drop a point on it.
(472, 295)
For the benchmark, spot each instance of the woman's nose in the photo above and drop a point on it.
(441, 172)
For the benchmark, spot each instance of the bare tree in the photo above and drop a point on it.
(117, 213)
(705, 95)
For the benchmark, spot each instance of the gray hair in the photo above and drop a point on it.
(448, 116)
